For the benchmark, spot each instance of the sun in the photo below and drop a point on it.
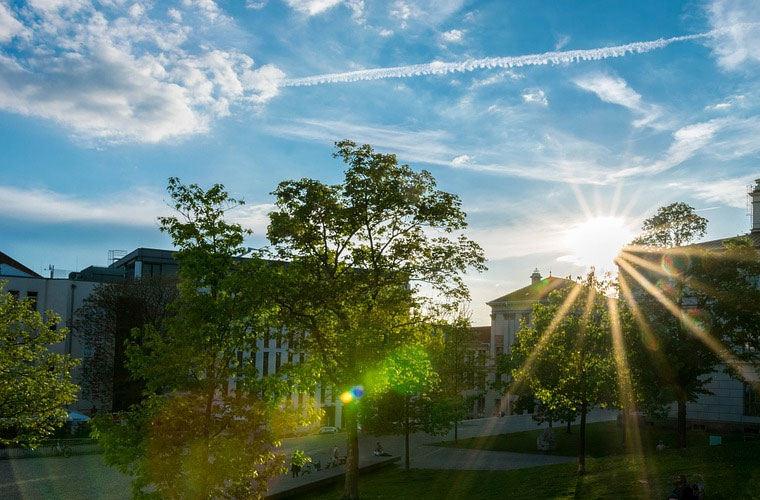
(596, 241)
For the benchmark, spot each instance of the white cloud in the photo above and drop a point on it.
(535, 96)
(115, 74)
(729, 192)
(312, 7)
(385, 32)
(615, 90)
(357, 10)
(136, 207)
(251, 4)
(737, 37)
(9, 25)
(687, 141)
(562, 40)
(454, 36)
(461, 160)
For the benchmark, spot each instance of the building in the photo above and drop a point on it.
(66, 296)
(508, 312)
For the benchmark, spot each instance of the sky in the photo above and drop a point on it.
(561, 125)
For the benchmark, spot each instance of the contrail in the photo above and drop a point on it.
(441, 68)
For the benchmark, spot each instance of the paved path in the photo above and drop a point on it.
(83, 477)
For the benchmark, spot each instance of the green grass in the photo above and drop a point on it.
(729, 471)
(603, 439)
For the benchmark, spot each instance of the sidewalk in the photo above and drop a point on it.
(288, 487)
(46, 451)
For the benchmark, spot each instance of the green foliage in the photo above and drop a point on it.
(35, 384)
(357, 255)
(698, 312)
(193, 436)
(673, 225)
(566, 358)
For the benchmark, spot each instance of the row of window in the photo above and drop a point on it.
(30, 296)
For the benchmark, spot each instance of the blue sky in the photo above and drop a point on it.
(540, 115)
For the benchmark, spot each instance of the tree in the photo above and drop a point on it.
(461, 369)
(405, 398)
(193, 436)
(673, 225)
(357, 253)
(35, 383)
(104, 322)
(695, 308)
(566, 358)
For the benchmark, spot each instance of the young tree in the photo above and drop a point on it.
(104, 323)
(405, 398)
(695, 308)
(35, 384)
(567, 358)
(193, 436)
(357, 253)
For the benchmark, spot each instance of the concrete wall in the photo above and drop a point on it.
(725, 405)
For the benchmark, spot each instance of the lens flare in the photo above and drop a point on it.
(346, 397)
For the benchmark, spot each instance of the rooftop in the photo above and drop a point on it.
(535, 291)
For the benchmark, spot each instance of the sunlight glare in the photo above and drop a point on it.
(596, 241)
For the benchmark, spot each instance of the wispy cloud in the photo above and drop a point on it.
(442, 68)
(729, 192)
(137, 207)
(615, 90)
(738, 40)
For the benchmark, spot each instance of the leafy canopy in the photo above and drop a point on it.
(35, 383)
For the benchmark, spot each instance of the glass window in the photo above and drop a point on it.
(265, 367)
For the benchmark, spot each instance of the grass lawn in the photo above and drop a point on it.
(729, 471)
(603, 439)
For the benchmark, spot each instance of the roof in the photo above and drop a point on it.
(535, 291)
(713, 245)
(6, 259)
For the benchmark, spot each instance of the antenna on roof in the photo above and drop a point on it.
(115, 255)
(749, 206)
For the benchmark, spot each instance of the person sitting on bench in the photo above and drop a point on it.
(379, 452)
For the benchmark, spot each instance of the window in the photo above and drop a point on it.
(266, 339)
(240, 359)
(751, 401)
(14, 293)
(265, 367)
(277, 361)
(290, 357)
(332, 394)
(279, 341)
(32, 300)
(322, 394)
(300, 399)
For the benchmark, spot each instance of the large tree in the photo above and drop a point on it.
(35, 383)
(105, 322)
(697, 309)
(357, 254)
(567, 357)
(194, 436)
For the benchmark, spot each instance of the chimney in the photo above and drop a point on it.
(536, 276)
(755, 194)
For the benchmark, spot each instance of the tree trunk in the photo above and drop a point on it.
(568, 427)
(351, 491)
(582, 447)
(682, 420)
(456, 431)
(406, 433)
